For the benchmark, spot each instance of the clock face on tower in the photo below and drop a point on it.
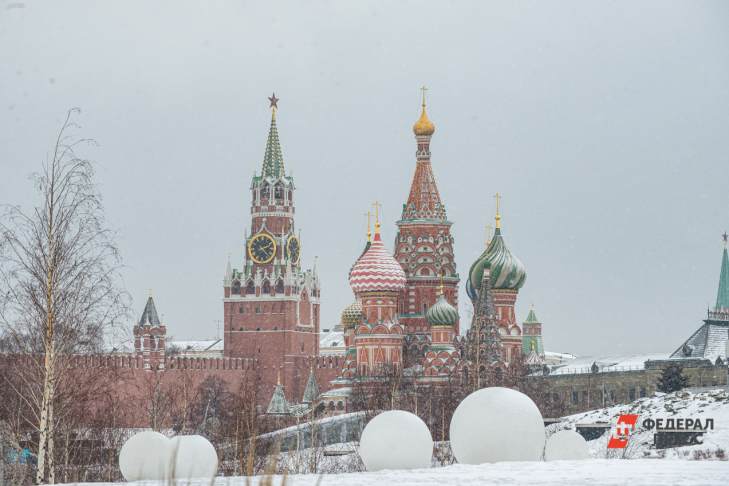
(262, 248)
(293, 249)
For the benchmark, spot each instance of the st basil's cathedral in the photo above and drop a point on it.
(404, 316)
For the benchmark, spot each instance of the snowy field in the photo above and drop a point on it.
(639, 464)
(640, 472)
(712, 404)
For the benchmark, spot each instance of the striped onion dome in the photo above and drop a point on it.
(442, 313)
(352, 315)
(507, 271)
(376, 270)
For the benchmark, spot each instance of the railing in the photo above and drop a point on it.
(588, 369)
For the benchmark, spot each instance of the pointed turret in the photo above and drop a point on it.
(273, 164)
(228, 279)
(311, 392)
(531, 317)
(722, 295)
(532, 335)
(149, 315)
(278, 404)
(424, 199)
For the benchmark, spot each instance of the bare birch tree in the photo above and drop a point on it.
(59, 286)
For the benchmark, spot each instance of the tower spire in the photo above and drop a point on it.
(377, 207)
(497, 196)
(369, 226)
(722, 295)
(424, 199)
(273, 163)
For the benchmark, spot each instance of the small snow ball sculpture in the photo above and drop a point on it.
(396, 440)
(497, 424)
(566, 445)
(145, 457)
(193, 456)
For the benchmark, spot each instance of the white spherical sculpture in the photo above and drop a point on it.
(192, 456)
(396, 440)
(145, 457)
(497, 424)
(566, 445)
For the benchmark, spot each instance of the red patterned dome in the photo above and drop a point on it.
(376, 270)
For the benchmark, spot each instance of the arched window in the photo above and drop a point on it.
(266, 287)
(279, 286)
(250, 288)
(278, 193)
(236, 287)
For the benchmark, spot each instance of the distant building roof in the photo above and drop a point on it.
(584, 364)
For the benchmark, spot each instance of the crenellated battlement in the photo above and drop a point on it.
(319, 362)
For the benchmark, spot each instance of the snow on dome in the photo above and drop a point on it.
(497, 424)
(376, 270)
(396, 440)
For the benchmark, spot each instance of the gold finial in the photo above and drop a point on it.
(369, 225)
(150, 293)
(278, 376)
(498, 214)
(532, 345)
(377, 207)
(725, 237)
(423, 126)
(442, 292)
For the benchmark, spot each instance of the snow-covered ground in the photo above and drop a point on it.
(593, 472)
(713, 404)
(639, 464)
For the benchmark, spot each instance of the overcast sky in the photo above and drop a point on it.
(605, 125)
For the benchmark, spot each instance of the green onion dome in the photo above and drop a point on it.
(442, 313)
(507, 271)
(352, 315)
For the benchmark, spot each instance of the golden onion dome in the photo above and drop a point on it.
(352, 315)
(423, 126)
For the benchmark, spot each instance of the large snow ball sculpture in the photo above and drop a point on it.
(145, 457)
(396, 440)
(497, 424)
(193, 456)
(566, 445)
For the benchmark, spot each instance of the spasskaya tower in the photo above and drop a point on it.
(271, 305)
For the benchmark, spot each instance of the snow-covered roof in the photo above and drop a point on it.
(605, 363)
(553, 358)
(337, 392)
(332, 342)
(197, 346)
(709, 341)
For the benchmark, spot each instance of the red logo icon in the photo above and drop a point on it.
(623, 428)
